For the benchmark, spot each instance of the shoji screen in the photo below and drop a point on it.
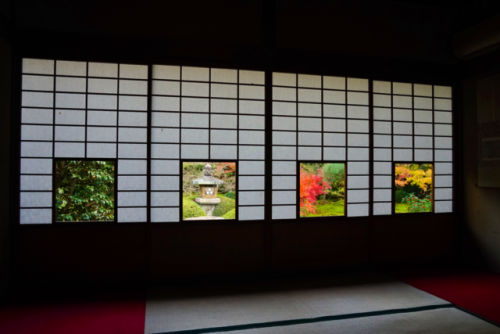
(412, 123)
(319, 118)
(206, 114)
(76, 110)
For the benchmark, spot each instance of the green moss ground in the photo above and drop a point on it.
(401, 208)
(329, 209)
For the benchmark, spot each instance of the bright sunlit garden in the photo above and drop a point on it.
(413, 191)
(322, 189)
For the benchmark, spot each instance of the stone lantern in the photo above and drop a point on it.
(208, 199)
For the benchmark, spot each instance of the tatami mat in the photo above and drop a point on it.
(188, 308)
(440, 321)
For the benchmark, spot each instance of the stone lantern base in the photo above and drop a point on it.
(208, 204)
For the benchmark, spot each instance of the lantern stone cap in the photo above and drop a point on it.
(201, 200)
(207, 177)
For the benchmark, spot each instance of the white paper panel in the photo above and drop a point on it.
(305, 138)
(442, 91)
(309, 153)
(132, 183)
(284, 108)
(443, 193)
(334, 125)
(37, 116)
(380, 154)
(134, 87)
(194, 136)
(284, 79)
(133, 103)
(359, 154)
(334, 96)
(382, 100)
(223, 152)
(286, 138)
(382, 141)
(382, 195)
(72, 133)
(132, 198)
(423, 142)
(252, 122)
(195, 89)
(357, 84)
(401, 88)
(422, 90)
(382, 87)
(98, 102)
(201, 121)
(223, 121)
(284, 197)
(133, 71)
(34, 99)
(132, 167)
(251, 168)
(252, 77)
(382, 168)
(194, 104)
(194, 151)
(284, 182)
(103, 70)
(336, 111)
(101, 117)
(165, 135)
(37, 82)
(36, 132)
(284, 153)
(251, 92)
(357, 182)
(357, 98)
(358, 140)
(35, 216)
(164, 198)
(402, 115)
(334, 139)
(422, 116)
(382, 181)
(164, 215)
(442, 104)
(252, 137)
(309, 109)
(357, 112)
(358, 167)
(423, 129)
(284, 167)
(357, 126)
(251, 182)
(284, 212)
(443, 155)
(74, 150)
(443, 181)
(358, 196)
(443, 168)
(284, 123)
(166, 72)
(36, 166)
(165, 119)
(132, 135)
(402, 128)
(403, 155)
(309, 95)
(102, 86)
(334, 153)
(423, 155)
(36, 182)
(164, 183)
(311, 81)
(166, 88)
(443, 130)
(66, 100)
(76, 68)
(101, 150)
(133, 151)
(251, 197)
(357, 210)
(422, 103)
(334, 82)
(382, 127)
(132, 215)
(443, 206)
(36, 199)
(38, 66)
(165, 166)
(224, 75)
(284, 94)
(224, 106)
(403, 141)
(443, 142)
(251, 107)
(382, 208)
(165, 103)
(251, 213)
(442, 117)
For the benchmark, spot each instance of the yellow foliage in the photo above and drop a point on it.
(421, 179)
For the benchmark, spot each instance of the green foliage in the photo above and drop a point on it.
(415, 204)
(331, 208)
(191, 209)
(400, 195)
(85, 190)
(225, 205)
(230, 214)
(194, 170)
(230, 194)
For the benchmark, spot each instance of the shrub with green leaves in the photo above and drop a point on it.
(85, 190)
(191, 209)
(416, 204)
(225, 205)
(230, 214)
(400, 195)
(230, 194)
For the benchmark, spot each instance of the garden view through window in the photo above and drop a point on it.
(84, 190)
(322, 189)
(413, 188)
(208, 190)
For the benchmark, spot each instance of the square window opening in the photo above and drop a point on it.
(209, 190)
(322, 189)
(413, 187)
